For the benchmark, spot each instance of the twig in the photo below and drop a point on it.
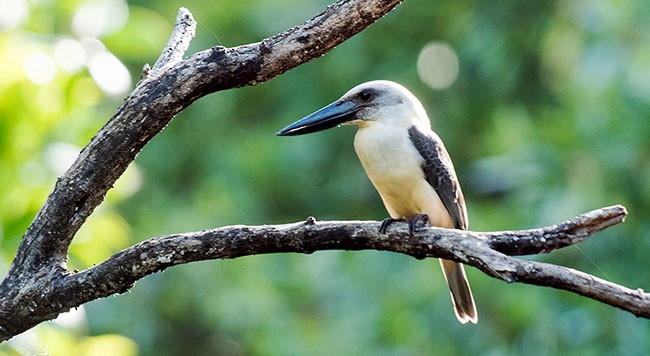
(179, 41)
(557, 236)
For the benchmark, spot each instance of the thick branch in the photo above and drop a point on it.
(121, 271)
(171, 87)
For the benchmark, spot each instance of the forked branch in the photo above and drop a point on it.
(39, 286)
(489, 252)
(169, 87)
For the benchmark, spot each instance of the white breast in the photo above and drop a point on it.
(394, 167)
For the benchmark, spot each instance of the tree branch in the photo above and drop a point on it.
(163, 94)
(39, 286)
(557, 236)
(485, 251)
(179, 41)
(171, 86)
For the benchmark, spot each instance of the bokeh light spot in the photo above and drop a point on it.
(112, 77)
(40, 68)
(59, 156)
(437, 65)
(13, 13)
(101, 17)
(69, 55)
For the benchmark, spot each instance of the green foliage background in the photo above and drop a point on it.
(548, 118)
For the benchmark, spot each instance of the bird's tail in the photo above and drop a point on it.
(461, 294)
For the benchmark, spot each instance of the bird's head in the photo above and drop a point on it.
(364, 105)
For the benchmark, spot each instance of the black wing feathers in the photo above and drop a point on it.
(439, 172)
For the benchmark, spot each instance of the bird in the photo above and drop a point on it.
(407, 163)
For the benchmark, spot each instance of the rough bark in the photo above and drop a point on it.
(166, 89)
(39, 286)
(488, 252)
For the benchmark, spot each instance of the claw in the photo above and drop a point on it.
(413, 222)
(385, 223)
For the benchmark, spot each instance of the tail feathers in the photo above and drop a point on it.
(461, 294)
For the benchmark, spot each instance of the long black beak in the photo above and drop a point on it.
(333, 114)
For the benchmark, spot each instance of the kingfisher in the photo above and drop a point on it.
(406, 162)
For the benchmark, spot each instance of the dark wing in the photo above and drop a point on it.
(439, 172)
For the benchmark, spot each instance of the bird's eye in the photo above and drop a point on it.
(366, 95)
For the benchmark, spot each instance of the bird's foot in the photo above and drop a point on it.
(415, 221)
(386, 223)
